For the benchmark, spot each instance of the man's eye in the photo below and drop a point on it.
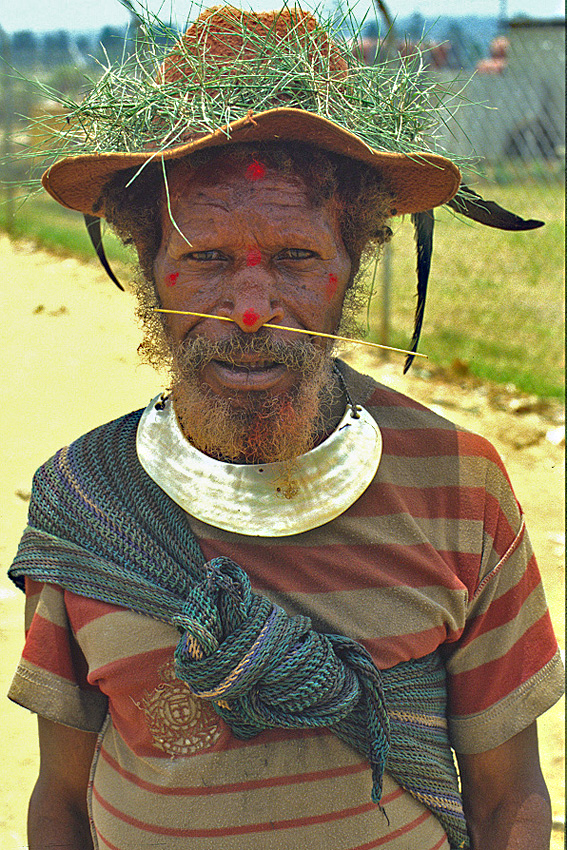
(203, 256)
(296, 254)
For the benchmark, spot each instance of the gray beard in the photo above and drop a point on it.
(268, 429)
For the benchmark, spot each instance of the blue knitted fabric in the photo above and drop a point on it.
(100, 527)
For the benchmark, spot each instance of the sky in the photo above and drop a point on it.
(82, 15)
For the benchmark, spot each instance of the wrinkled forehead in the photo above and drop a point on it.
(246, 176)
(248, 169)
(223, 163)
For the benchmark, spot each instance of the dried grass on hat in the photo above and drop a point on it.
(238, 76)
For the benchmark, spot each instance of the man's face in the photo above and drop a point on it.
(260, 253)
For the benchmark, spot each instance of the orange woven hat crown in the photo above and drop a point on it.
(228, 45)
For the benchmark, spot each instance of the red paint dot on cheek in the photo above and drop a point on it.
(254, 257)
(331, 286)
(256, 170)
(171, 279)
(250, 318)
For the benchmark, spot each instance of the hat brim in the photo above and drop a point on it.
(417, 181)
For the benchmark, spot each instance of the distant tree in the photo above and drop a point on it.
(165, 35)
(25, 48)
(84, 46)
(67, 79)
(463, 52)
(370, 29)
(415, 26)
(111, 43)
(56, 48)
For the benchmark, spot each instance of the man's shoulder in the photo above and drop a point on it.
(410, 420)
(103, 441)
(94, 480)
(391, 407)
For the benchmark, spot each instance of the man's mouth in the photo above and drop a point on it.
(248, 373)
(243, 365)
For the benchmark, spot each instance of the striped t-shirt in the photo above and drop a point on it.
(433, 555)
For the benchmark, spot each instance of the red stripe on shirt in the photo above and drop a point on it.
(85, 610)
(107, 843)
(47, 646)
(384, 397)
(497, 526)
(246, 829)
(418, 442)
(506, 607)
(386, 839)
(234, 787)
(473, 445)
(435, 502)
(390, 650)
(328, 569)
(33, 587)
(491, 682)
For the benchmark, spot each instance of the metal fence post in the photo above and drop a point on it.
(386, 295)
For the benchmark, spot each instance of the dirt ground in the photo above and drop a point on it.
(69, 346)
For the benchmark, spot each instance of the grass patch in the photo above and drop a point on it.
(495, 298)
(60, 230)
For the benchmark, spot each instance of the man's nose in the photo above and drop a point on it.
(252, 300)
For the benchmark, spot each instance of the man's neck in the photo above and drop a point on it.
(266, 435)
(333, 406)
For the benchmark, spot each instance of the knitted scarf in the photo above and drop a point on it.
(100, 527)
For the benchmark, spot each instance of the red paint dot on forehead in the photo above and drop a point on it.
(250, 318)
(331, 286)
(256, 170)
(171, 279)
(253, 257)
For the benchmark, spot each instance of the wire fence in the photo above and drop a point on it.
(515, 118)
(511, 122)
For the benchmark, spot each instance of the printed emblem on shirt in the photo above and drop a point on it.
(180, 724)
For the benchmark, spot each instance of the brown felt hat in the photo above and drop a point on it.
(418, 181)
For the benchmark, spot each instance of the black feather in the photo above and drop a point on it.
(470, 204)
(95, 232)
(423, 223)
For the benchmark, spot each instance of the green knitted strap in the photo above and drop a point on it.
(99, 526)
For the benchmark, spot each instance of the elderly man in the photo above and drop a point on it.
(264, 612)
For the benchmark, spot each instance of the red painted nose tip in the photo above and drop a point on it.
(250, 318)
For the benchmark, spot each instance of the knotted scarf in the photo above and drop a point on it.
(100, 527)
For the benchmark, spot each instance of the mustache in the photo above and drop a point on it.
(195, 353)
